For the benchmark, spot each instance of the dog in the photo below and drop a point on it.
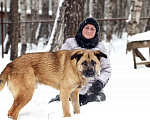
(66, 70)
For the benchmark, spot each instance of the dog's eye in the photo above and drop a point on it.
(85, 63)
(93, 62)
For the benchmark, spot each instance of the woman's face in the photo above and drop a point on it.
(89, 31)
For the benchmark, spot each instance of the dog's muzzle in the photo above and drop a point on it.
(89, 73)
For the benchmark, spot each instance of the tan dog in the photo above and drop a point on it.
(66, 71)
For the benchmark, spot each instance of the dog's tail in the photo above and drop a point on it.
(4, 77)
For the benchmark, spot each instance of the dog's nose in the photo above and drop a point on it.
(89, 73)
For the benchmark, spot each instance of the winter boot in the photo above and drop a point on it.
(98, 97)
(57, 98)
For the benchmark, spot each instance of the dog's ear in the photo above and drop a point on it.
(77, 55)
(99, 54)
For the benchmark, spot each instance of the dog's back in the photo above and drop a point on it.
(40, 63)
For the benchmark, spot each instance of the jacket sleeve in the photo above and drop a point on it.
(65, 46)
(105, 72)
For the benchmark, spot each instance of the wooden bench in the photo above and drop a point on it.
(134, 45)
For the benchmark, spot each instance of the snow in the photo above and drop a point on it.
(8, 9)
(128, 93)
(140, 37)
(28, 11)
(2, 9)
(50, 12)
(40, 12)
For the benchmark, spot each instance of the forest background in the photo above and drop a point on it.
(27, 22)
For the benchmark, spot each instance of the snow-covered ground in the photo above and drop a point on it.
(128, 94)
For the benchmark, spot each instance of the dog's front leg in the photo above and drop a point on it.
(64, 96)
(75, 101)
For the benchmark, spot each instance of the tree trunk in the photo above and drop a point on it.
(6, 17)
(109, 31)
(23, 27)
(133, 24)
(144, 12)
(35, 17)
(44, 32)
(122, 24)
(86, 8)
(73, 15)
(9, 28)
(57, 36)
(98, 12)
(147, 22)
(14, 30)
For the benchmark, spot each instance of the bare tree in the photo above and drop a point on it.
(86, 8)
(133, 24)
(23, 26)
(45, 16)
(109, 9)
(9, 27)
(57, 36)
(71, 14)
(147, 26)
(98, 12)
(14, 30)
(35, 16)
(122, 12)
(144, 24)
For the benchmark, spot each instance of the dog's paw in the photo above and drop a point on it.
(67, 115)
(10, 117)
(77, 112)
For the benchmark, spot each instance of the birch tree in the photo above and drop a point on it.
(23, 27)
(134, 18)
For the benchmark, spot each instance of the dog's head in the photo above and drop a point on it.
(88, 62)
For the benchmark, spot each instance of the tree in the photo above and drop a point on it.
(23, 27)
(121, 13)
(9, 18)
(35, 17)
(109, 10)
(57, 37)
(145, 24)
(14, 29)
(44, 32)
(71, 14)
(98, 12)
(72, 17)
(133, 24)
